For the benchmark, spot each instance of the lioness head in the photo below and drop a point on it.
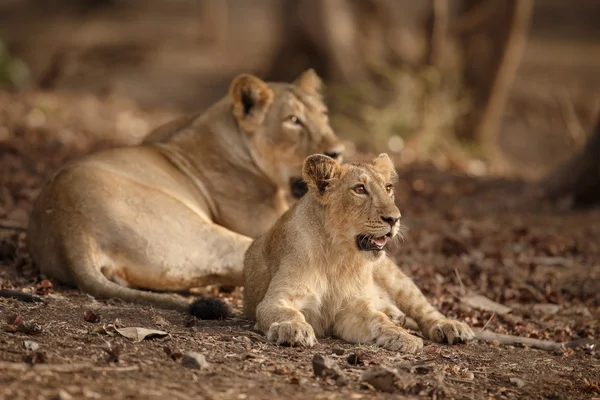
(358, 200)
(283, 133)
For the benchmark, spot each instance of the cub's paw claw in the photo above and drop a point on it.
(449, 331)
(399, 340)
(397, 316)
(292, 333)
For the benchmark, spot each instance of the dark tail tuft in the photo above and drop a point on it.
(209, 308)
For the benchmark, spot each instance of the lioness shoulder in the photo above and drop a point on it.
(322, 268)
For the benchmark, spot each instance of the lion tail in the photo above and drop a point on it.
(91, 280)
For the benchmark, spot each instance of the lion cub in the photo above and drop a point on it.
(322, 268)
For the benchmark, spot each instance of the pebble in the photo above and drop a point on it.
(194, 360)
(381, 378)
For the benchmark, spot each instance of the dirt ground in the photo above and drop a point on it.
(465, 235)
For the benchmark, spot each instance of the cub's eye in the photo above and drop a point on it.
(389, 189)
(294, 120)
(360, 189)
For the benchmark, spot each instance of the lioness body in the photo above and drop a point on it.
(321, 269)
(180, 210)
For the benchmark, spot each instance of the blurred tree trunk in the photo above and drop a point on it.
(340, 39)
(492, 35)
(579, 177)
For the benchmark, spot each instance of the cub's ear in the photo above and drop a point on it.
(384, 165)
(310, 82)
(318, 171)
(251, 98)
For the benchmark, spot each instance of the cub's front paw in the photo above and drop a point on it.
(393, 313)
(292, 333)
(448, 331)
(399, 340)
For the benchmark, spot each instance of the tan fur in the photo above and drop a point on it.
(180, 210)
(307, 277)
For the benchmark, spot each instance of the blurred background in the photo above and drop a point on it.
(502, 87)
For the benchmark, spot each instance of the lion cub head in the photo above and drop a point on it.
(285, 123)
(358, 201)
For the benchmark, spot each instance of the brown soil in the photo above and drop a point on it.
(466, 234)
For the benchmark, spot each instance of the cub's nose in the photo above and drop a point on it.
(392, 220)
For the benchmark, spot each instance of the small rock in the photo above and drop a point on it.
(113, 351)
(160, 321)
(30, 328)
(299, 380)
(337, 350)
(355, 359)
(63, 395)
(14, 319)
(517, 382)
(381, 378)
(91, 316)
(194, 360)
(35, 357)
(31, 345)
(323, 366)
(173, 355)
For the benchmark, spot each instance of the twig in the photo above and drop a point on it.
(488, 336)
(22, 367)
(15, 294)
(460, 282)
(461, 380)
(488, 321)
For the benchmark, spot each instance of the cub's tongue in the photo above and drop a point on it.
(380, 241)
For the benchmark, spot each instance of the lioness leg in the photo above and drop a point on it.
(279, 316)
(411, 300)
(360, 322)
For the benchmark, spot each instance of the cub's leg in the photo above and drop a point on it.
(360, 322)
(279, 315)
(384, 304)
(411, 300)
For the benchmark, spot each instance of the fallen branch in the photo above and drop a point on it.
(488, 336)
(510, 340)
(22, 367)
(15, 294)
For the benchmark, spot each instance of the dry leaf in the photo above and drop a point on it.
(139, 334)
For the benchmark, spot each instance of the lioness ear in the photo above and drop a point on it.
(310, 82)
(384, 165)
(318, 171)
(251, 98)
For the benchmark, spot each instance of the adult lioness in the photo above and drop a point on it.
(180, 210)
(322, 267)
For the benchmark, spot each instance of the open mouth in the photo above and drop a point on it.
(298, 187)
(370, 243)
